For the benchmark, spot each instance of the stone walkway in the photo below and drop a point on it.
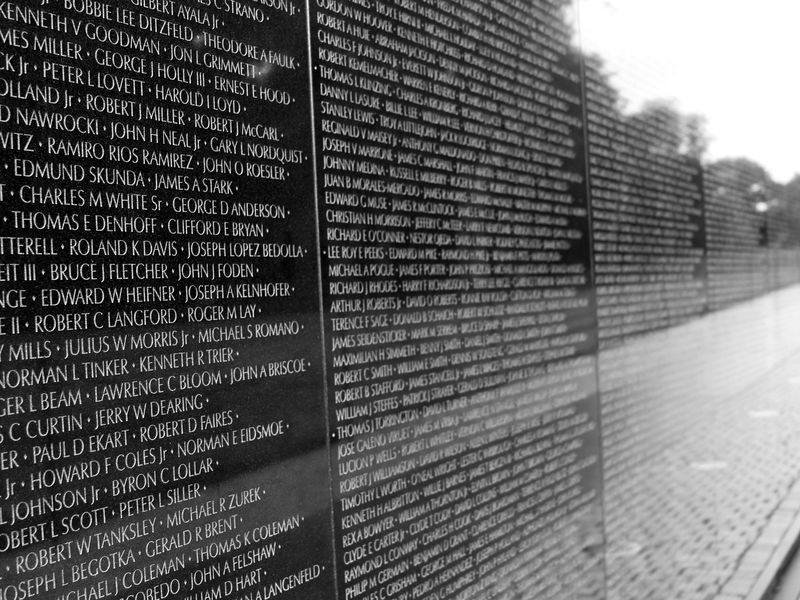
(702, 476)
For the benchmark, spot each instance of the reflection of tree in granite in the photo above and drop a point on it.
(647, 214)
(735, 264)
(753, 227)
(695, 136)
(662, 126)
(671, 131)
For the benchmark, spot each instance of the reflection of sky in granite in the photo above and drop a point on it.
(720, 59)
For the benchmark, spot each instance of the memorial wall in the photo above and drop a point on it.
(160, 299)
(455, 287)
(330, 299)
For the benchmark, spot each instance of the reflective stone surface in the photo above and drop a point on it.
(368, 300)
(163, 421)
(456, 292)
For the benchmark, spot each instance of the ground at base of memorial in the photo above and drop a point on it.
(787, 585)
(713, 511)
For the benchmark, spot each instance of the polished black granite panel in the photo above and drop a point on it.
(456, 293)
(163, 428)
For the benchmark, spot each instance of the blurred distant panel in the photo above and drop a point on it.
(647, 215)
(648, 237)
(736, 209)
(690, 243)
